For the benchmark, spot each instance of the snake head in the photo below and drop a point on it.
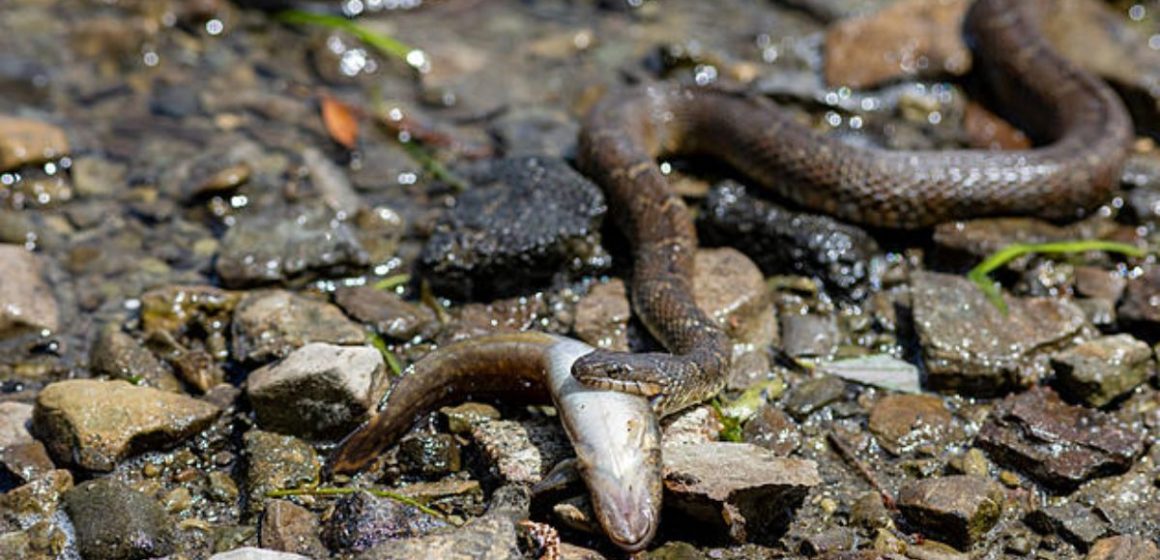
(637, 374)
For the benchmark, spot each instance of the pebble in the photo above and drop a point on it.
(97, 177)
(119, 356)
(905, 424)
(268, 249)
(536, 131)
(386, 312)
(774, 430)
(491, 536)
(114, 521)
(29, 142)
(26, 300)
(331, 183)
(14, 420)
(430, 455)
(1124, 547)
(251, 553)
(813, 394)
(37, 504)
(1073, 521)
(277, 462)
(1140, 306)
(25, 461)
(319, 391)
(271, 324)
(810, 335)
(1101, 370)
(696, 424)
(1059, 445)
(79, 427)
(969, 345)
(1095, 282)
(288, 527)
(361, 521)
(602, 316)
(958, 508)
(735, 491)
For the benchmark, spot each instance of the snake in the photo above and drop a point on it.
(1082, 131)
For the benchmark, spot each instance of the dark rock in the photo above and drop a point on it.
(331, 182)
(430, 456)
(217, 171)
(174, 100)
(868, 512)
(970, 345)
(536, 131)
(906, 424)
(774, 430)
(1057, 444)
(1140, 305)
(735, 491)
(1124, 547)
(277, 462)
(602, 316)
(386, 312)
(832, 540)
(1101, 370)
(1073, 521)
(780, 240)
(958, 508)
(114, 521)
(812, 395)
(525, 220)
(978, 239)
(266, 249)
(361, 521)
(809, 335)
(271, 324)
(120, 356)
(1129, 502)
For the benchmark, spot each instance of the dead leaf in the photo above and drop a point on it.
(340, 121)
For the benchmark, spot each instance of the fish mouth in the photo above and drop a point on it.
(627, 510)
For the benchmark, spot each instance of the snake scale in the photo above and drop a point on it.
(1082, 128)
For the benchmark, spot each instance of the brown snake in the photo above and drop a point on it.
(1083, 127)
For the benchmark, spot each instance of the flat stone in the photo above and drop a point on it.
(910, 38)
(319, 391)
(1140, 304)
(1129, 502)
(521, 452)
(809, 335)
(1095, 282)
(959, 509)
(114, 521)
(251, 553)
(277, 462)
(361, 521)
(735, 491)
(1100, 370)
(774, 430)
(26, 461)
(14, 420)
(268, 249)
(119, 356)
(271, 324)
(386, 312)
(696, 424)
(602, 316)
(1073, 521)
(29, 142)
(95, 424)
(26, 300)
(969, 345)
(491, 536)
(906, 424)
(1124, 547)
(1057, 444)
(813, 394)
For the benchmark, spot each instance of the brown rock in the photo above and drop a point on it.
(386, 312)
(29, 142)
(271, 324)
(14, 420)
(1124, 547)
(291, 528)
(26, 301)
(907, 423)
(1140, 304)
(1100, 370)
(602, 316)
(958, 508)
(731, 289)
(521, 452)
(1095, 282)
(774, 430)
(985, 130)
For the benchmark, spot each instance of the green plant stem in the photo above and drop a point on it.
(383, 43)
(333, 491)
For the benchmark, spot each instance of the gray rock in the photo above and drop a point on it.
(277, 462)
(251, 553)
(813, 394)
(288, 527)
(491, 536)
(1073, 521)
(1124, 547)
(114, 521)
(386, 312)
(536, 131)
(95, 176)
(602, 316)
(1098, 371)
(958, 508)
(735, 491)
(774, 430)
(970, 345)
(268, 249)
(521, 452)
(26, 300)
(696, 424)
(1057, 444)
(1140, 306)
(119, 356)
(14, 420)
(216, 171)
(906, 424)
(361, 521)
(95, 424)
(478, 251)
(1129, 502)
(271, 324)
(331, 183)
(318, 391)
(809, 335)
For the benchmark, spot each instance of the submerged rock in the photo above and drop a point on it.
(526, 220)
(116, 522)
(958, 508)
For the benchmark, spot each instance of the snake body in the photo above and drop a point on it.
(1082, 128)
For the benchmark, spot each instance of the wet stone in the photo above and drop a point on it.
(361, 521)
(781, 241)
(536, 131)
(774, 430)
(959, 508)
(26, 461)
(1140, 305)
(523, 221)
(809, 335)
(1057, 444)
(906, 424)
(430, 456)
(95, 424)
(491, 536)
(29, 142)
(119, 356)
(1129, 502)
(1103, 369)
(271, 324)
(1094, 282)
(602, 316)
(1124, 547)
(26, 300)
(14, 420)
(970, 345)
(729, 288)
(219, 170)
(318, 391)
(251, 553)
(735, 491)
(386, 312)
(114, 521)
(980, 238)
(277, 462)
(36, 507)
(266, 249)
(521, 452)
(93, 176)
(868, 512)
(1073, 521)
(813, 394)
(697, 424)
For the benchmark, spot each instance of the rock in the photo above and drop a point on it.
(602, 316)
(1124, 547)
(271, 324)
(95, 176)
(696, 424)
(119, 356)
(521, 452)
(813, 394)
(905, 424)
(267, 249)
(536, 131)
(179, 309)
(217, 171)
(1057, 444)
(729, 288)
(809, 335)
(957, 508)
(288, 527)
(331, 183)
(782, 241)
(1130, 502)
(1095, 282)
(25, 461)
(461, 418)
(29, 142)
(277, 462)
(386, 312)
(114, 521)
(1100, 370)
(491, 536)
(1140, 306)
(95, 424)
(26, 300)
(318, 391)
(478, 252)
(868, 512)
(774, 430)
(251, 553)
(14, 420)
(969, 345)
(1074, 522)
(978, 239)
(735, 491)
(430, 456)
(361, 521)
(35, 507)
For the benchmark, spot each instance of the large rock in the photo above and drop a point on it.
(26, 301)
(95, 424)
(116, 522)
(958, 508)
